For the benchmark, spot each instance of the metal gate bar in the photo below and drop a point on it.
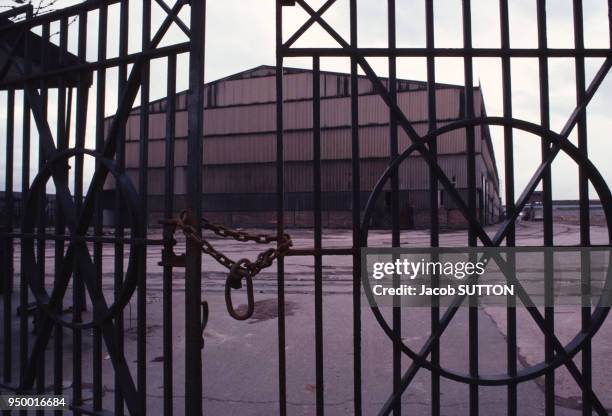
(98, 221)
(193, 272)
(468, 74)
(318, 259)
(119, 221)
(511, 352)
(549, 316)
(60, 222)
(169, 212)
(280, 213)
(41, 219)
(78, 293)
(395, 215)
(143, 193)
(356, 213)
(25, 186)
(433, 201)
(7, 251)
(583, 190)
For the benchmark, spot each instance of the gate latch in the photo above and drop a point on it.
(168, 256)
(243, 269)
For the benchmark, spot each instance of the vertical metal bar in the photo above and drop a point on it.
(471, 196)
(549, 379)
(7, 280)
(143, 193)
(193, 274)
(316, 146)
(583, 184)
(25, 186)
(79, 304)
(356, 213)
(395, 219)
(280, 212)
(118, 216)
(168, 213)
(511, 352)
(100, 105)
(610, 23)
(60, 221)
(433, 196)
(41, 245)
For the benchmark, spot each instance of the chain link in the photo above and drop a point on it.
(237, 270)
(264, 259)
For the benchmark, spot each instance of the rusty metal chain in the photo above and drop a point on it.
(237, 270)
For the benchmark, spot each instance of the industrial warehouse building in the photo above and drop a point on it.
(239, 182)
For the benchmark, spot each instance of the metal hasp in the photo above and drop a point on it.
(424, 145)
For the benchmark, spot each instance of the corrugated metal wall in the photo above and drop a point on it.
(336, 175)
(257, 86)
(261, 147)
(335, 112)
(240, 137)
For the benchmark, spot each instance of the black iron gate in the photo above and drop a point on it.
(36, 66)
(552, 143)
(41, 69)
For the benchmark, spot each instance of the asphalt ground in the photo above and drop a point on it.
(241, 358)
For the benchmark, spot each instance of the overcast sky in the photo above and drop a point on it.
(240, 35)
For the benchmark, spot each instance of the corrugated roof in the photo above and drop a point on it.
(254, 72)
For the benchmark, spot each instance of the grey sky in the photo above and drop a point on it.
(240, 35)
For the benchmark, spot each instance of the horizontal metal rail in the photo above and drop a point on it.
(449, 52)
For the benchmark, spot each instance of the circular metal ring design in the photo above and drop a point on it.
(32, 271)
(598, 315)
